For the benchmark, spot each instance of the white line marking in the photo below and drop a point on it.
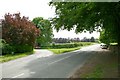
(32, 72)
(18, 75)
(59, 60)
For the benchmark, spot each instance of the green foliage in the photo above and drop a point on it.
(46, 35)
(106, 38)
(63, 50)
(1, 43)
(36, 20)
(88, 16)
(23, 48)
(8, 57)
(7, 49)
(14, 49)
(97, 73)
(67, 45)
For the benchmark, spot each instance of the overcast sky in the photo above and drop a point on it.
(38, 8)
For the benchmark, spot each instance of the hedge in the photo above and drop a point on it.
(13, 49)
(66, 45)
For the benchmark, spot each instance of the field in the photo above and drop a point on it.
(67, 47)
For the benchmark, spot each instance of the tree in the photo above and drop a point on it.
(46, 31)
(105, 38)
(37, 20)
(18, 30)
(92, 39)
(88, 16)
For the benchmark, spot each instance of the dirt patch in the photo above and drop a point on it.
(103, 64)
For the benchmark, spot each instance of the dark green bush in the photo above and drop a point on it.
(10, 49)
(14, 49)
(7, 49)
(23, 48)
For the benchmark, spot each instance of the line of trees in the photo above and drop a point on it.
(68, 40)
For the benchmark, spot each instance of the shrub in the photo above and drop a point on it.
(7, 49)
(0, 43)
(67, 45)
(10, 49)
(22, 48)
(13, 49)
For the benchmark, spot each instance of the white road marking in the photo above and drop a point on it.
(32, 72)
(59, 60)
(18, 75)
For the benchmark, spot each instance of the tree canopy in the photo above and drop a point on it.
(46, 31)
(88, 16)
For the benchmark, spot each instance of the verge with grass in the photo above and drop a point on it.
(8, 57)
(63, 50)
(103, 64)
(96, 73)
(67, 47)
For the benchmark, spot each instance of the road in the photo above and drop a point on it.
(53, 66)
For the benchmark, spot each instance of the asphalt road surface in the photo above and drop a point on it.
(53, 66)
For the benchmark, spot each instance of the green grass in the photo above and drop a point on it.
(99, 70)
(97, 73)
(63, 50)
(8, 57)
(85, 43)
(113, 43)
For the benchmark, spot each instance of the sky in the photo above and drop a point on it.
(38, 8)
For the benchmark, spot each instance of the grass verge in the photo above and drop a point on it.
(8, 57)
(63, 50)
(101, 65)
(103, 71)
(96, 73)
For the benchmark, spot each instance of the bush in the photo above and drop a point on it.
(7, 49)
(22, 48)
(14, 49)
(67, 45)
